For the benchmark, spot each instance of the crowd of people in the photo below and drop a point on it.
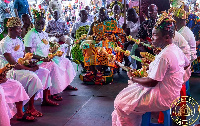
(25, 31)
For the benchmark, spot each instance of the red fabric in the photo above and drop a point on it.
(61, 43)
(7, 1)
(40, 6)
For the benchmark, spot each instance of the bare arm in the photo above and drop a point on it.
(28, 49)
(11, 61)
(145, 81)
(23, 32)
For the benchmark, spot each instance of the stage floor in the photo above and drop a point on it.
(91, 105)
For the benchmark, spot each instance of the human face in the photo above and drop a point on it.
(56, 15)
(84, 16)
(153, 12)
(102, 15)
(157, 37)
(39, 24)
(17, 30)
(116, 10)
(87, 8)
(26, 20)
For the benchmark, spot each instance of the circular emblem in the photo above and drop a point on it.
(185, 111)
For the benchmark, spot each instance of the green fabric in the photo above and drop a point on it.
(77, 53)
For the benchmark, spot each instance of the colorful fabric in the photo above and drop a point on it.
(135, 100)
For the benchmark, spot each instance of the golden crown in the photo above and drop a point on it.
(13, 21)
(40, 13)
(164, 17)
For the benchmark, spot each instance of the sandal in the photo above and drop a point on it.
(35, 114)
(49, 103)
(25, 119)
(56, 97)
(71, 88)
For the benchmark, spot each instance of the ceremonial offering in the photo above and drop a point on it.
(5, 69)
(26, 60)
(119, 49)
(147, 56)
(136, 73)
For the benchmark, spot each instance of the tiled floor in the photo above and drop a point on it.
(91, 105)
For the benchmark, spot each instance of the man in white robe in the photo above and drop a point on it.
(162, 86)
(34, 79)
(189, 37)
(61, 69)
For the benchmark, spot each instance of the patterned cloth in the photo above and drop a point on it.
(59, 26)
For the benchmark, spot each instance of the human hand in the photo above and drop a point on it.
(3, 78)
(35, 68)
(46, 60)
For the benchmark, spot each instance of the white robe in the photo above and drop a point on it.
(4, 117)
(11, 92)
(33, 82)
(189, 37)
(183, 44)
(135, 100)
(61, 69)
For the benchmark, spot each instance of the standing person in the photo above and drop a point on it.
(21, 7)
(61, 69)
(101, 17)
(189, 37)
(4, 12)
(12, 10)
(83, 22)
(145, 31)
(58, 31)
(131, 28)
(27, 25)
(117, 13)
(162, 86)
(76, 51)
(90, 16)
(55, 5)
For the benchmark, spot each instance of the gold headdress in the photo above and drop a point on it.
(13, 21)
(166, 23)
(164, 17)
(180, 12)
(40, 13)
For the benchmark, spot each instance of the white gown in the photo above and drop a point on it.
(33, 82)
(189, 37)
(61, 69)
(11, 92)
(135, 100)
